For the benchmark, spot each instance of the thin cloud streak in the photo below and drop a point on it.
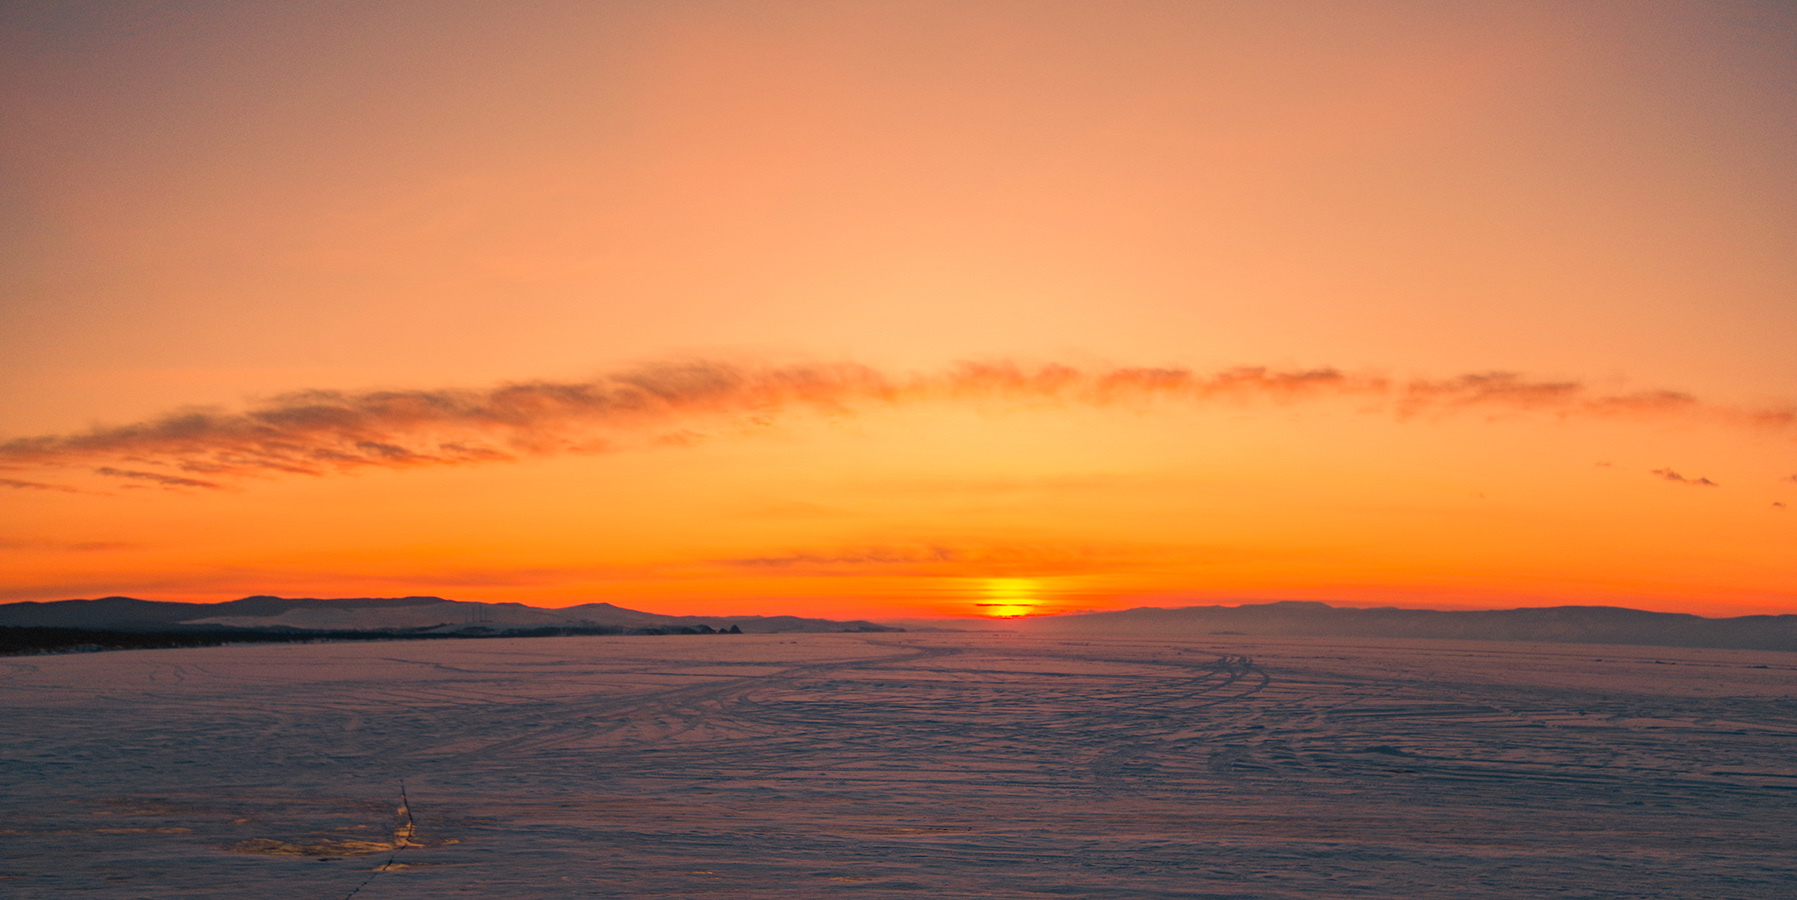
(173, 481)
(40, 544)
(1670, 475)
(38, 486)
(878, 556)
(985, 557)
(323, 432)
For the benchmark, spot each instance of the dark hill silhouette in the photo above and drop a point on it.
(401, 616)
(1557, 624)
(388, 615)
(130, 613)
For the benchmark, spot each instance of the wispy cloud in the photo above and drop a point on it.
(321, 432)
(172, 481)
(38, 486)
(983, 557)
(37, 544)
(877, 556)
(1670, 475)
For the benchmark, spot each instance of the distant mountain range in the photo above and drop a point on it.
(282, 618)
(392, 615)
(1556, 624)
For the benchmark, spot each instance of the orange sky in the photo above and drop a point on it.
(882, 309)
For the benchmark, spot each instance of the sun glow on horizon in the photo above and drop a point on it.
(1009, 598)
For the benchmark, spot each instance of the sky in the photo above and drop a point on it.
(904, 308)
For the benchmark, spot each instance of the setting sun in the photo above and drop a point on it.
(1008, 598)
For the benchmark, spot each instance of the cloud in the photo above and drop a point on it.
(38, 486)
(878, 556)
(316, 432)
(1670, 475)
(974, 557)
(65, 546)
(173, 481)
(322, 432)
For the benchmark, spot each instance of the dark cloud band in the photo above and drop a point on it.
(320, 432)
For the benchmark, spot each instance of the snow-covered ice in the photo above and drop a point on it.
(884, 765)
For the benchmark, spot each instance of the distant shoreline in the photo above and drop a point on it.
(24, 641)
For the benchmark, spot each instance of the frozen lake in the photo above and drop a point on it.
(887, 765)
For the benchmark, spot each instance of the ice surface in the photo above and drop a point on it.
(888, 765)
